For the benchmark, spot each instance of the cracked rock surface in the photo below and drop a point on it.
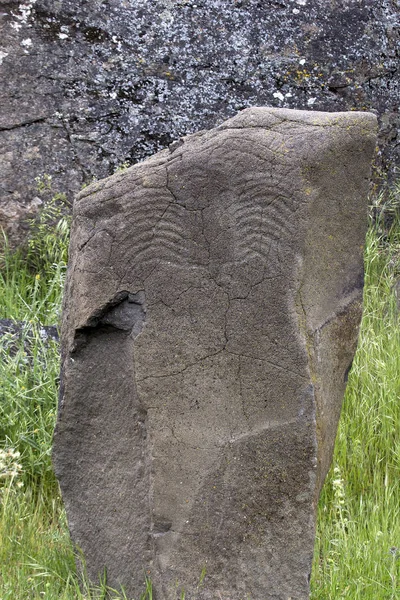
(210, 319)
(90, 84)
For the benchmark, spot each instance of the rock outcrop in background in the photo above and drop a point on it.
(90, 84)
(211, 315)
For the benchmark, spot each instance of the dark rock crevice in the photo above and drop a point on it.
(125, 313)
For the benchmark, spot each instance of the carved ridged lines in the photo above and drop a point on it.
(169, 238)
(261, 212)
(158, 232)
(263, 219)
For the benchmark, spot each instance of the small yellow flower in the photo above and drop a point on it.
(37, 276)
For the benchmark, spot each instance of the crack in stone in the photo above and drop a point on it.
(95, 232)
(24, 124)
(246, 416)
(266, 361)
(189, 366)
(85, 172)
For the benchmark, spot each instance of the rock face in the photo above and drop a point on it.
(90, 84)
(211, 316)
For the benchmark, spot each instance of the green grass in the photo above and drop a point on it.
(357, 551)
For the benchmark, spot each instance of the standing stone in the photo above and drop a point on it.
(211, 316)
(90, 84)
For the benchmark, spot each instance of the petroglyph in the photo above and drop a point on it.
(211, 315)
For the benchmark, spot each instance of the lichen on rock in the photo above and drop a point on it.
(104, 82)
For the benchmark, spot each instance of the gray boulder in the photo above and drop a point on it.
(90, 84)
(15, 335)
(210, 319)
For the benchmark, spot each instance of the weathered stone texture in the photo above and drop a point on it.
(87, 85)
(211, 315)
